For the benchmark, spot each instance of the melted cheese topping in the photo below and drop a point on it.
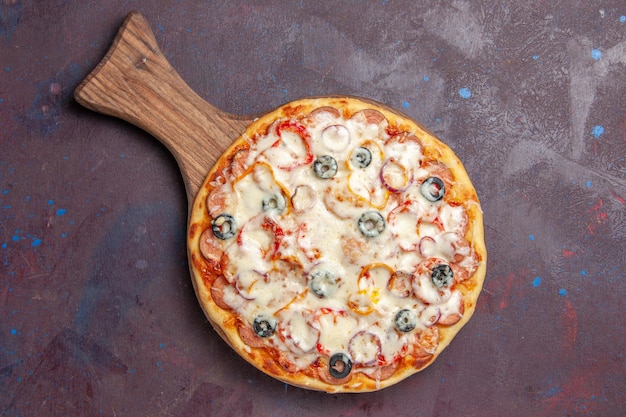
(293, 228)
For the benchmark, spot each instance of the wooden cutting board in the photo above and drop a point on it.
(136, 83)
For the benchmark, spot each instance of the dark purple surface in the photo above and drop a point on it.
(97, 314)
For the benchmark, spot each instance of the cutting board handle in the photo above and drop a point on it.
(136, 83)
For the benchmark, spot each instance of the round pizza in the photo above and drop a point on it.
(337, 245)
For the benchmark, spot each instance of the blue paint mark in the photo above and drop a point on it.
(426, 78)
(588, 184)
(622, 19)
(7, 69)
(36, 242)
(465, 92)
(15, 238)
(61, 212)
(535, 57)
(597, 131)
(4, 245)
(5, 192)
(13, 331)
(531, 237)
(50, 202)
(160, 27)
(583, 272)
(596, 54)
(406, 104)
(161, 345)
(536, 282)
(562, 292)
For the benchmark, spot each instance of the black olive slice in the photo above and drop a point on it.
(264, 326)
(361, 158)
(442, 276)
(371, 223)
(274, 202)
(325, 167)
(406, 320)
(340, 365)
(433, 189)
(323, 283)
(223, 226)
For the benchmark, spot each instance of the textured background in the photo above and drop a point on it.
(97, 314)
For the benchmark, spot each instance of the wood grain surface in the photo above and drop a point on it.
(136, 83)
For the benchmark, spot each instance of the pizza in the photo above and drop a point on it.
(337, 245)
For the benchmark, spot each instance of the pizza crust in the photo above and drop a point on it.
(236, 333)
